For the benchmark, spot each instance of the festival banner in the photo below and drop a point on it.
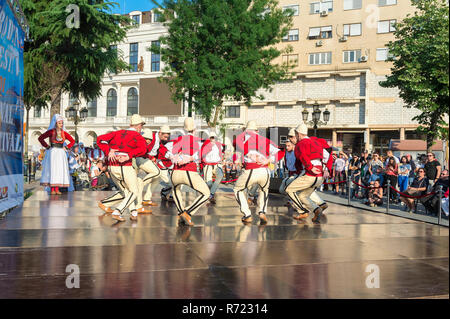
(11, 108)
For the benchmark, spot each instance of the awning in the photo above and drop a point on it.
(414, 145)
(314, 32)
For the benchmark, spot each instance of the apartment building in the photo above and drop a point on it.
(339, 58)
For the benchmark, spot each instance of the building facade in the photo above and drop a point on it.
(338, 58)
(123, 94)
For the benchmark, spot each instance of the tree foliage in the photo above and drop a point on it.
(221, 49)
(421, 55)
(59, 58)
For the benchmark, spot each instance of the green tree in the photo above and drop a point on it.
(421, 55)
(221, 49)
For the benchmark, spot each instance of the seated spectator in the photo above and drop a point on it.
(431, 202)
(375, 194)
(99, 175)
(417, 188)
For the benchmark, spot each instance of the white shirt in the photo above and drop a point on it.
(252, 155)
(214, 155)
(155, 148)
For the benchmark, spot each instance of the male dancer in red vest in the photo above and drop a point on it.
(212, 157)
(186, 152)
(299, 170)
(310, 153)
(122, 146)
(258, 152)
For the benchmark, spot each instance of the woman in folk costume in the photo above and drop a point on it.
(55, 167)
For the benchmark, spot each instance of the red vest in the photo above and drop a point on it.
(124, 141)
(51, 134)
(187, 145)
(256, 143)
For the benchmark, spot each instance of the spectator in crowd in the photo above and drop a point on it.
(100, 176)
(339, 172)
(290, 158)
(375, 195)
(432, 168)
(376, 169)
(355, 173)
(431, 202)
(422, 161)
(392, 176)
(417, 188)
(412, 172)
(364, 158)
(404, 170)
(390, 154)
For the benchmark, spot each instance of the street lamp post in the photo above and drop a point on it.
(316, 117)
(74, 114)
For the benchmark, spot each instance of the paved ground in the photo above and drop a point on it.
(218, 257)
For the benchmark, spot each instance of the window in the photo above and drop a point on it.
(352, 56)
(134, 56)
(320, 58)
(92, 108)
(233, 112)
(290, 59)
(132, 102)
(317, 7)
(382, 3)
(37, 112)
(320, 33)
(291, 36)
(136, 19)
(111, 103)
(156, 58)
(72, 99)
(352, 4)
(293, 8)
(383, 54)
(113, 48)
(386, 26)
(156, 17)
(353, 29)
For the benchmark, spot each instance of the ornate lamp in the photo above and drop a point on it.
(305, 115)
(326, 115)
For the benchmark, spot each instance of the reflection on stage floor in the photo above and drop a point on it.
(219, 257)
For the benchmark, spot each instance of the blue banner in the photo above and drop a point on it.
(11, 108)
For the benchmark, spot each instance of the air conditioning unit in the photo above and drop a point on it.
(343, 39)
(363, 58)
(323, 13)
(319, 43)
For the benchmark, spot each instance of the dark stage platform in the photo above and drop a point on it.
(218, 257)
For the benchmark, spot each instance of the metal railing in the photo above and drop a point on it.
(438, 220)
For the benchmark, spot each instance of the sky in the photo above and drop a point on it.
(126, 6)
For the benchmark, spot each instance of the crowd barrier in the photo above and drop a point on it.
(388, 188)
